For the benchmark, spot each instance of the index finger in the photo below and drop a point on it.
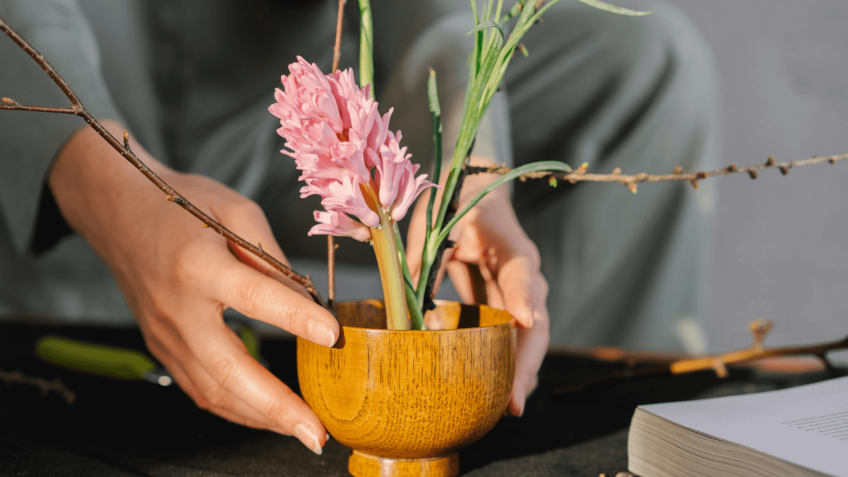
(263, 298)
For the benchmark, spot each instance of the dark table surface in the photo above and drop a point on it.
(124, 428)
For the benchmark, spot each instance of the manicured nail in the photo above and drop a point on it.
(307, 438)
(321, 333)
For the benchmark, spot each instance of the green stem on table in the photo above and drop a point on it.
(366, 45)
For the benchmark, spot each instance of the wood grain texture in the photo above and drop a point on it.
(408, 394)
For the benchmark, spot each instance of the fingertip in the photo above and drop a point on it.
(322, 332)
(516, 402)
(523, 315)
(308, 437)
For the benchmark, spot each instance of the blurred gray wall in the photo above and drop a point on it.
(780, 244)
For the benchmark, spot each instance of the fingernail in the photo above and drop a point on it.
(307, 438)
(321, 333)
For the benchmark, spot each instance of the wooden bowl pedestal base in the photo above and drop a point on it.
(364, 465)
(406, 401)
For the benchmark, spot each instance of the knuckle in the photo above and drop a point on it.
(203, 403)
(185, 263)
(217, 398)
(251, 295)
(295, 311)
(278, 411)
(225, 370)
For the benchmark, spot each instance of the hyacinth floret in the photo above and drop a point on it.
(344, 150)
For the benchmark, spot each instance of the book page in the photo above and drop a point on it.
(806, 425)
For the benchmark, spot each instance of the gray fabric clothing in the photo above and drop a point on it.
(641, 95)
(192, 81)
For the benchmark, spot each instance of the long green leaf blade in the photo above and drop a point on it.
(614, 9)
(552, 166)
(485, 25)
(436, 113)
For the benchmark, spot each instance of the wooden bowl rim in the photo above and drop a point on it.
(509, 323)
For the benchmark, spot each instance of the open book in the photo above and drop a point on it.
(799, 431)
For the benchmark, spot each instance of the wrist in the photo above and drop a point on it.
(95, 188)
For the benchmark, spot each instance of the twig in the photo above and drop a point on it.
(79, 110)
(16, 377)
(337, 48)
(331, 242)
(13, 105)
(631, 181)
(640, 365)
(756, 351)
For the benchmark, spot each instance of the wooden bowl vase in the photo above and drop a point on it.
(406, 401)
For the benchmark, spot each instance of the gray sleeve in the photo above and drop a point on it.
(30, 141)
(434, 40)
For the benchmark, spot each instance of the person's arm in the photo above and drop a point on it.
(178, 278)
(30, 141)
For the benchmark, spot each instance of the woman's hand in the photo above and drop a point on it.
(494, 263)
(178, 278)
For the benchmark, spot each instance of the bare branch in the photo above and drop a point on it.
(331, 242)
(13, 105)
(640, 364)
(16, 377)
(337, 48)
(631, 181)
(171, 194)
(758, 328)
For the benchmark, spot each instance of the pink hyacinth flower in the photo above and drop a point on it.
(337, 136)
(339, 224)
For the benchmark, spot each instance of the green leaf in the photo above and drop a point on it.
(416, 318)
(614, 9)
(436, 113)
(484, 25)
(553, 166)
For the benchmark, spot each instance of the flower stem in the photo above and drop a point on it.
(366, 46)
(385, 241)
(394, 293)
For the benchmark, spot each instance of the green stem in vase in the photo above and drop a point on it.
(388, 260)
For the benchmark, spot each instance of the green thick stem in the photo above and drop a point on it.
(394, 294)
(366, 45)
